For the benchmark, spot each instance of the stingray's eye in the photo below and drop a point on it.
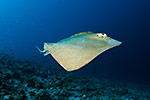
(101, 35)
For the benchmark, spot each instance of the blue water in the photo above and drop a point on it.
(27, 23)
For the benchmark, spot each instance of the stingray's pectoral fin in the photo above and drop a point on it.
(44, 52)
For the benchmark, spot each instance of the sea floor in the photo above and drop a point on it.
(23, 80)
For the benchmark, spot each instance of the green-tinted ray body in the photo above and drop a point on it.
(76, 51)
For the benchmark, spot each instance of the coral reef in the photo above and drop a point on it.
(23, 80)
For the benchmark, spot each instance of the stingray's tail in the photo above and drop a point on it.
(42, 52)
(39, 49)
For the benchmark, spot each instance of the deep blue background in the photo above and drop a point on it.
(27, 23)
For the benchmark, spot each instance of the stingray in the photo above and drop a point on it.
(78, 50)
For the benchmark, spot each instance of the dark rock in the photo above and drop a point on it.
(16, 75)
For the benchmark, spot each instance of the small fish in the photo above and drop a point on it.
(78, 50)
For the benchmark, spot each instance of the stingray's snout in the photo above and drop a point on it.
(114, 42)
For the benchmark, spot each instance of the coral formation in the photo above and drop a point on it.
(23, 80)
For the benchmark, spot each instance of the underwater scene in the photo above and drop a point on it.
(74, 50)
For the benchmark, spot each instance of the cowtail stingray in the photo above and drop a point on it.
(78, 50)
